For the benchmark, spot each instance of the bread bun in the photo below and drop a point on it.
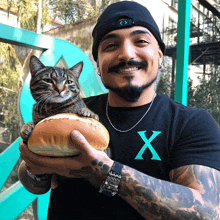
(50, 137)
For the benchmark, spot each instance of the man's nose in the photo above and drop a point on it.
(126, 51)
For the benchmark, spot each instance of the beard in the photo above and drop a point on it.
(130, 93)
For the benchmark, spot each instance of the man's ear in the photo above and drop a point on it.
(160, 56)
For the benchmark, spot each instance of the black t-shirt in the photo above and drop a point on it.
(169, 136)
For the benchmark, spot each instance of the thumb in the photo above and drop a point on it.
(79, 141)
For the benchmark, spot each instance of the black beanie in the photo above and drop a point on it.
(135, 14)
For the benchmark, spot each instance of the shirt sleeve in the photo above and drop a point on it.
(198, 143)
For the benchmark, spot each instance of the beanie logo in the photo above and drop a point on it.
(122, 23)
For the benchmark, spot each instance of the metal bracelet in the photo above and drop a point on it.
(38, 178)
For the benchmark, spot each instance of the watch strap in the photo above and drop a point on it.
(116, 168)
(110, 186)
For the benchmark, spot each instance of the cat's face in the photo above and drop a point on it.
(54, 84)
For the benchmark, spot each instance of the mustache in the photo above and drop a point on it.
(130, 63)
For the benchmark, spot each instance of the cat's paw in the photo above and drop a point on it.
(87, 113)
(95, 116)
(26, 131)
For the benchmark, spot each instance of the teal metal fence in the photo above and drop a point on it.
(182, 51)
(16, 199)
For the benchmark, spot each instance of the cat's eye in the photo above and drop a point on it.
(68, 82)
(48, 80)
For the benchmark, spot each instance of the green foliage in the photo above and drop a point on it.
(9, 107)
(105, 4)
(70, 11)
(205, 95)
(164, 86)
(27, 12)
(46, 19)
(10, 69)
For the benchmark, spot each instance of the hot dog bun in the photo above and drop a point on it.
(50, 137)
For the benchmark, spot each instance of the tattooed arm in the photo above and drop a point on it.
(193, 193)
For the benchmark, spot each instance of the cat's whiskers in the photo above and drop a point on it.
(41, 99)
(44, 102)
(38, 104)
(37, 92)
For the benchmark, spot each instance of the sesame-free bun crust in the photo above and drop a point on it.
(50, 137)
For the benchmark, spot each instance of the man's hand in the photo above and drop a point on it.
(91, 164)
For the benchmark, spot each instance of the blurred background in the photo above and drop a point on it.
(73, 20)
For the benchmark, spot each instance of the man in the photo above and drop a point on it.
(165, 156)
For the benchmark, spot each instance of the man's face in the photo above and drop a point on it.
(128, 60)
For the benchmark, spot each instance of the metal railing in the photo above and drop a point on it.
(15, 199)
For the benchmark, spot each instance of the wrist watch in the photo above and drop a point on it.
(38, 178)
(109, 186)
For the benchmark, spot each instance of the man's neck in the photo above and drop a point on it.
(145, 98)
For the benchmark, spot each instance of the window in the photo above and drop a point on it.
(174, 3)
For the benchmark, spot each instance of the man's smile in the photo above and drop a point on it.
(128, 69)
(121, 70)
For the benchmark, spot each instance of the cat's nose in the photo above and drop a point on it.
(60, 88)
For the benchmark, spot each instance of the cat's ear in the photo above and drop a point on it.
(35, 65)
(77, 69)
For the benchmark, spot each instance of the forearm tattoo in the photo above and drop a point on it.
(97, 166)
(193, 196)
(95, 173)
(100, 165)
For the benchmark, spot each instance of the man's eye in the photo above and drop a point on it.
(110, 46)
(68, 82)
(142, 41)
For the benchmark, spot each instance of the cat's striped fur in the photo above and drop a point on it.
(55, 90)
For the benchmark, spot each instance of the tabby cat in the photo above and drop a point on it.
(55, 90)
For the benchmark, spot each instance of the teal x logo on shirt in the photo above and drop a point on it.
(148, 145)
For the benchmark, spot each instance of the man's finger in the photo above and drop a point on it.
(79, 141)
